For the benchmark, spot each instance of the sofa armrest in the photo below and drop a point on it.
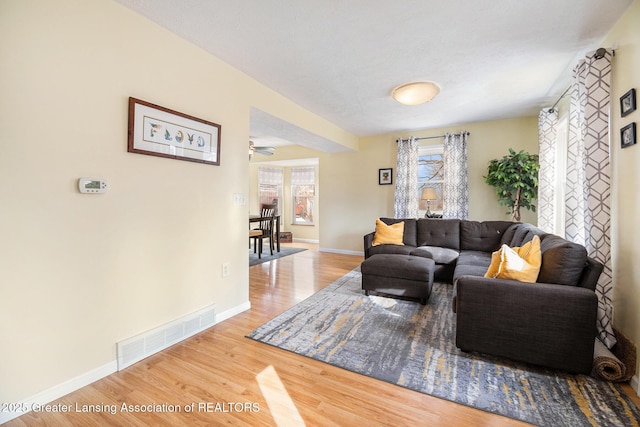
(540, 323)
(368, 243)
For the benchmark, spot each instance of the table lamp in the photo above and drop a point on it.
(428, 194)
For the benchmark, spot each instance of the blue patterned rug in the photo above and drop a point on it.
(413, 346)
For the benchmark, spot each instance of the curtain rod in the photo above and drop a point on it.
(598, 54)
(428, 137)
(553, 107)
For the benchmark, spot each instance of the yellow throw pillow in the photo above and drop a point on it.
(522, 263)
(495, 264)
(388, 234)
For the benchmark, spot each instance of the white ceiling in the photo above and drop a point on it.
(341, 58)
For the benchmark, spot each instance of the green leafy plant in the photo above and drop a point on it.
(515, 178)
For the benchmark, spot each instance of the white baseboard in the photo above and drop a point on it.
(341, 251)
(635, 385)
(227, 314)
(312, 241)
(69, 386)
(57, 391)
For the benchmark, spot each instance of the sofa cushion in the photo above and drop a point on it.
(562, 261)
(478, 258)
(438, 254)
(422, 251)
(469, 270)
(522, 233)
(390, 249)
(398, 266)
(590, 274)
(507, 236)
(409, 236)
(388, 234)
(483, 236)
(522, 264)
(444, 233)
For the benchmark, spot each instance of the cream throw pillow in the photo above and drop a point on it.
(388, 234)
(521, 263)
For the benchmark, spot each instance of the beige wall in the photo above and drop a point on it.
(351, 199)
(349, 210)
(625, 38)
(80, 272)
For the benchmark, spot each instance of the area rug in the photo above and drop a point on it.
(266, 256)
(413, 346)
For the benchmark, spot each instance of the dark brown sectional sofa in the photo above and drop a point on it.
(551, 323)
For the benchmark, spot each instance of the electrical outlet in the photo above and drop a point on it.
(225, 269)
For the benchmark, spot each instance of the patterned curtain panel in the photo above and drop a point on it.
(455, 189)
(406, 195)
(589, 177)
(575, 195)
(547, 121)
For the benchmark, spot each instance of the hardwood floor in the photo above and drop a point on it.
(232, 380)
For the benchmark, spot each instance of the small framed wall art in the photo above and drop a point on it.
(159, 131)
(385, 176)
(628, 102)
(628, 135)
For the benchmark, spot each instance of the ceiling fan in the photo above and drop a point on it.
(267, 151)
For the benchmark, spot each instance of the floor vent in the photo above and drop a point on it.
(136, 348)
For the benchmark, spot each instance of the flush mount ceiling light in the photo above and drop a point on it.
(415, 93)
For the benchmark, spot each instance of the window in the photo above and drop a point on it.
(303, 191)
(430, 175)
(269, 186)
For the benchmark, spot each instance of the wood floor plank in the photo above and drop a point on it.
(220, 371)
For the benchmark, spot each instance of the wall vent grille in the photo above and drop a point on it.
(143, 345)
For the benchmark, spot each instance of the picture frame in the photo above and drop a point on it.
(159, 131)
(628, 135)
(385, 176)
(628, 102)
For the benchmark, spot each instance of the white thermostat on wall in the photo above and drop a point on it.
(92, 186)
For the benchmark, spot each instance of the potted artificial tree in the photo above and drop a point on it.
(515, 178)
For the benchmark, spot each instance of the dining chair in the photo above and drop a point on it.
(267, 219)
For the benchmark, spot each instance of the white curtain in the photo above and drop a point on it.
(586, 206)
(406, 192)
(270, 186)
(455, 190)
(547, 178)
(589, 176)
(303, 176)
(270, 176)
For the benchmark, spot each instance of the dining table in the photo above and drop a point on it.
(276, 218)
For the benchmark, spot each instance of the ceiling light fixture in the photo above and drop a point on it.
(415, 93)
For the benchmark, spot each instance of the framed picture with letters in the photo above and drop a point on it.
(159, 131)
